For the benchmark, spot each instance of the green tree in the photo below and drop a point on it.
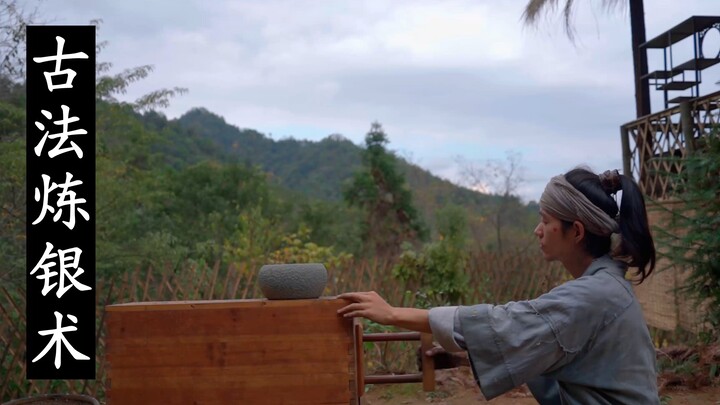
(124, 155)
(535, 8)
(12, 141)
(692, 239)
(380, 190)
(436, 274)
(13, 19)
(12, 189)
(297, 248)
(254, 238)
(500, 179)
(331, 223)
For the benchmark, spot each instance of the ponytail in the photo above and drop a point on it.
(636, 241)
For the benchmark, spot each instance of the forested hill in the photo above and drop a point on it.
(317, 169)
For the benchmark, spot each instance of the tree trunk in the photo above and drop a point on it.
(498, 226)
(640, 63)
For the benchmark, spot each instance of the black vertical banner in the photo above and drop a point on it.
(60, 202)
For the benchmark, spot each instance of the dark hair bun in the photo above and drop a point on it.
(610, 181)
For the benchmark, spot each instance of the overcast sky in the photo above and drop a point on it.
(446, 79)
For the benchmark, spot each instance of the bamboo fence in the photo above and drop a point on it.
(493, 278)
(654, 149)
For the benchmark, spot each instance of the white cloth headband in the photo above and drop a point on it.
(563, 201)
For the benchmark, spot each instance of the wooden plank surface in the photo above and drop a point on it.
(206, 304)
(238, 351)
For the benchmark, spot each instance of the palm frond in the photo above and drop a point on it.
(535, 8)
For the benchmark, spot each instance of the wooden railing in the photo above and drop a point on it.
(654, 145)
(426, 376)
(655, 148)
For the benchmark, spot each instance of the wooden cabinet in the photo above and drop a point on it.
(231, 352)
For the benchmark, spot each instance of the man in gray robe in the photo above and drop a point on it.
(568, 336)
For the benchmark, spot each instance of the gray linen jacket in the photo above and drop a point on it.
(584, 342)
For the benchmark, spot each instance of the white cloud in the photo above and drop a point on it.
(454, 34)
(444, 78)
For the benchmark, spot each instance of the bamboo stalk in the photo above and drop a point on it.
(199, 284)
(146, 287)
(211, 287)
(225, 283)
(163, 282)
(134, 283)
(123, 288)
(248, 283)
(237, 281)
(7, 376)
(16, 328)
(178, 289)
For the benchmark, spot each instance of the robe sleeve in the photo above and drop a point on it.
(446, 330)
(511, 344)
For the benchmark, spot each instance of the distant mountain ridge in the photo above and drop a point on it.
(319, 169)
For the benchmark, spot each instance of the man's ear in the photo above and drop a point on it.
(579, 231)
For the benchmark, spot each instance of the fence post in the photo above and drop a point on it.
(687, 123)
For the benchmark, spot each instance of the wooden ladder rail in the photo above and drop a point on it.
(426, 377)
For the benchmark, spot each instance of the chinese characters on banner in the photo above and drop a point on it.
(60, 154)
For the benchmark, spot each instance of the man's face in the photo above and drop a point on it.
(555, 243)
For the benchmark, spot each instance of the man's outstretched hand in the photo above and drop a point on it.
(443, 359)
(372, 306)
(368, 305)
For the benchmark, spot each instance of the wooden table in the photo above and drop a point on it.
(232, 352)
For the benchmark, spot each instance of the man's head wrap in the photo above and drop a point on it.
(563, 201)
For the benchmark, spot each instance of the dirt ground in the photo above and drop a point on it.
(456, 387)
